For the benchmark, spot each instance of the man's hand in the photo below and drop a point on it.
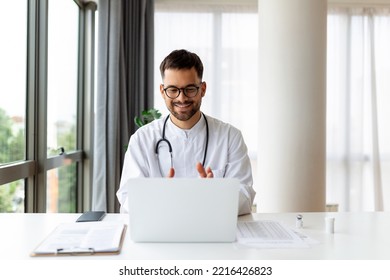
(204, 173)
(171, 173)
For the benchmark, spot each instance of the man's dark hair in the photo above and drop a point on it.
(182, 59)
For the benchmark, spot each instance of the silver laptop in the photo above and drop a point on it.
(183, 209)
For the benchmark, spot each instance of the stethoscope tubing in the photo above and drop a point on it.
(163, 139)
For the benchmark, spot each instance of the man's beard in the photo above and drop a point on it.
(185, 116)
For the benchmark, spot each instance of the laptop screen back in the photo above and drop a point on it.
(183, 209)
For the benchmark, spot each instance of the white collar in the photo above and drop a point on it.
(187, 133)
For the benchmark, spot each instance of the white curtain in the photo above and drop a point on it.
(226, 39)
(358, 109)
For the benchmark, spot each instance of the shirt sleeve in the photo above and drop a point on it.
(133, 167)
(239, 166)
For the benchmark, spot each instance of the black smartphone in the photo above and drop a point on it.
(91, 216)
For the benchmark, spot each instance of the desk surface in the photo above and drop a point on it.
(362, 236)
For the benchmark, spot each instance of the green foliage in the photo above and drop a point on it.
(6, 195)
(146, 117)
(11, 146)
(67, 189)
(67, 175)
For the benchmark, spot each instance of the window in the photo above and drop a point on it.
(358, 101)
(61, 190)
(62, 101)
(62, 76)
(45, 95)
(13, 98)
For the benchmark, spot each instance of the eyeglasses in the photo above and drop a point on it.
(174, 92)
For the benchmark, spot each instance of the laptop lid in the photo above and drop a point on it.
(183, 209)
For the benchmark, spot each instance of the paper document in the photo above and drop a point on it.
(79, 238)
(268, 234)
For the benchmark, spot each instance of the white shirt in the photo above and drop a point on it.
(226, 155)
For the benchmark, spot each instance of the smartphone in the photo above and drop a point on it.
(91, 216)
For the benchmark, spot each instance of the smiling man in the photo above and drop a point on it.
(187, 143)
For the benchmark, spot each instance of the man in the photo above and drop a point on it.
(187, 143)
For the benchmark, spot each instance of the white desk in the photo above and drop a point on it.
(357, 236)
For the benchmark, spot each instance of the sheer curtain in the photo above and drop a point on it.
(225, 37)
(358, 109)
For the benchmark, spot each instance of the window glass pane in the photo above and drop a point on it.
(61, 189)
(62, 75)
(13, 31)
(12, 197)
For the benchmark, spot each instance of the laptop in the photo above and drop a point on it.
(183, 209)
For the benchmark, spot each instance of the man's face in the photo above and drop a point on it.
(184, 109)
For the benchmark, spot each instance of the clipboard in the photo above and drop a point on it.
(83, 239)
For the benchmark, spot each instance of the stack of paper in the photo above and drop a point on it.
(268, 234)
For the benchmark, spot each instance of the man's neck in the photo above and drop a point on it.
(189, 123)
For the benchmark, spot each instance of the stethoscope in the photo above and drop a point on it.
(163, 139)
